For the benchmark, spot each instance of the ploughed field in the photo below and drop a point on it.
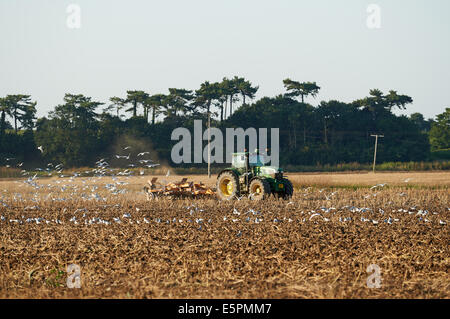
(319, 244)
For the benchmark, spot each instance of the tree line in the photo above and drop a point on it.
(220, 95)
(81, 130)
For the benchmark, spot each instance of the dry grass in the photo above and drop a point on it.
(281, 249)
(404, 179)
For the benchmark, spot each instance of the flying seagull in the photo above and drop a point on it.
(41, 149)
(378, 185)
(124, 156)
(143, 153)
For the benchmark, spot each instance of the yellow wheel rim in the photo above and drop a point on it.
(256, 189)
(226, 187)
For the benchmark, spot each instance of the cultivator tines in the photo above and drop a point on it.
(182, 188)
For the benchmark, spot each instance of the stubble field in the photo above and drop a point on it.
(319, 244)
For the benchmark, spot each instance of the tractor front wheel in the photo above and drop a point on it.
(259, 189)
(288, 189)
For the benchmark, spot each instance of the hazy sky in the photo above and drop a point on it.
(154, 45)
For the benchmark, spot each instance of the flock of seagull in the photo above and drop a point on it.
(64, 189)
(102, 167)
(198, 216)
(193, 214)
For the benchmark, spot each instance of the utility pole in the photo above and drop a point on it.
(209, 144)
(375, 151)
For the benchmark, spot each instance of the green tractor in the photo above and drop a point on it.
(248, 176)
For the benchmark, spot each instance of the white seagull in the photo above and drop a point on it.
(143, 153)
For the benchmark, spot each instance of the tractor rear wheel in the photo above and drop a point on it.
(227, 186)
(259, 189)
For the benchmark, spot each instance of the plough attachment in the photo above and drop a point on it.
(182, 188)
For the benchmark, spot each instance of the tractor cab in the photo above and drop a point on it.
(239, 160)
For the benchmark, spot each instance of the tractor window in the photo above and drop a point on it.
(238, 161)
(257, 160)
